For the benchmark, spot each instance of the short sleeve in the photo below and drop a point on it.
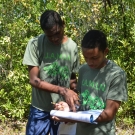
(118, 88)
(31, 55)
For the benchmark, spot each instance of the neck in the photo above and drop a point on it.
(105, 62)
(65, 38)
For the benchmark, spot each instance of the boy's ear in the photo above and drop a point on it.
(106, 51)
(63, 23)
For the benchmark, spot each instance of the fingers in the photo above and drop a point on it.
(73, 108)
(62, 106)
(72, 99)
(76, 105)
(59, 107)
(56, 118)
(77, 102)
(72, 105)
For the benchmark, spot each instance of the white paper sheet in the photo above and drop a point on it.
(67, 129)
(83, 116)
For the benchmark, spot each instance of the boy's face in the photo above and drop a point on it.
(95, 58)
(55, 34)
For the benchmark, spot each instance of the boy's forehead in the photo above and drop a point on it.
(96, 49)
(53, 30)
(91, 52)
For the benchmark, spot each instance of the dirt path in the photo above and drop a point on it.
(18, 128)
(12, 128)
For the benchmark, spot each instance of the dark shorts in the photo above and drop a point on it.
(39, 123)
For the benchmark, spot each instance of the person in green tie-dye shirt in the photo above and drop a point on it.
(102, 85)
(52, 60)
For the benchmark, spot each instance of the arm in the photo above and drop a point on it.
(73, 82)
(107, 114)
(110, 111)
(70, 96)
(35, 81)
(117, 92)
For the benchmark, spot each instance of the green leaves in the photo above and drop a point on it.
(19, 21)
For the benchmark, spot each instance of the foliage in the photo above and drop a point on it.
(19, 21)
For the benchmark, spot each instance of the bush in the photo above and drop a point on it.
(19, 22)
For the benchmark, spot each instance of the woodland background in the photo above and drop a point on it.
(19, 21)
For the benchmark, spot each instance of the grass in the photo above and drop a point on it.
(18, 128)
(12, 128)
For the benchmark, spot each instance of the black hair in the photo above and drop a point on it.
(93, 39)
(50, 18)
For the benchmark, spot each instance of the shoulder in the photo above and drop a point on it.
(115, 68)
(33, 42)
(71, 43)
(115, 71)
(41, 37)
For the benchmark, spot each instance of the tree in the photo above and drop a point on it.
(19, 21)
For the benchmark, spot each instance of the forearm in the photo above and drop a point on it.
(36, 82)
(70, 96)
(104, 117)
(43, 85)
(109, 112)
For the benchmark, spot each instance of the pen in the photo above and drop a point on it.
(53, 103)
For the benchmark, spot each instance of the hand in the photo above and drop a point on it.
(58, 119)
(73, 84)
(62, 106)
(71, 98)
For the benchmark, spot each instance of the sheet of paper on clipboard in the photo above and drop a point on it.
(82, 116)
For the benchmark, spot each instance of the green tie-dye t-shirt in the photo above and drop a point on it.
(95, 87)
(56, 63)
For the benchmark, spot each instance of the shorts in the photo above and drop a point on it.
(40, 123)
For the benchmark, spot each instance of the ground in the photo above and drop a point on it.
(18, 128)
(12, 128)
